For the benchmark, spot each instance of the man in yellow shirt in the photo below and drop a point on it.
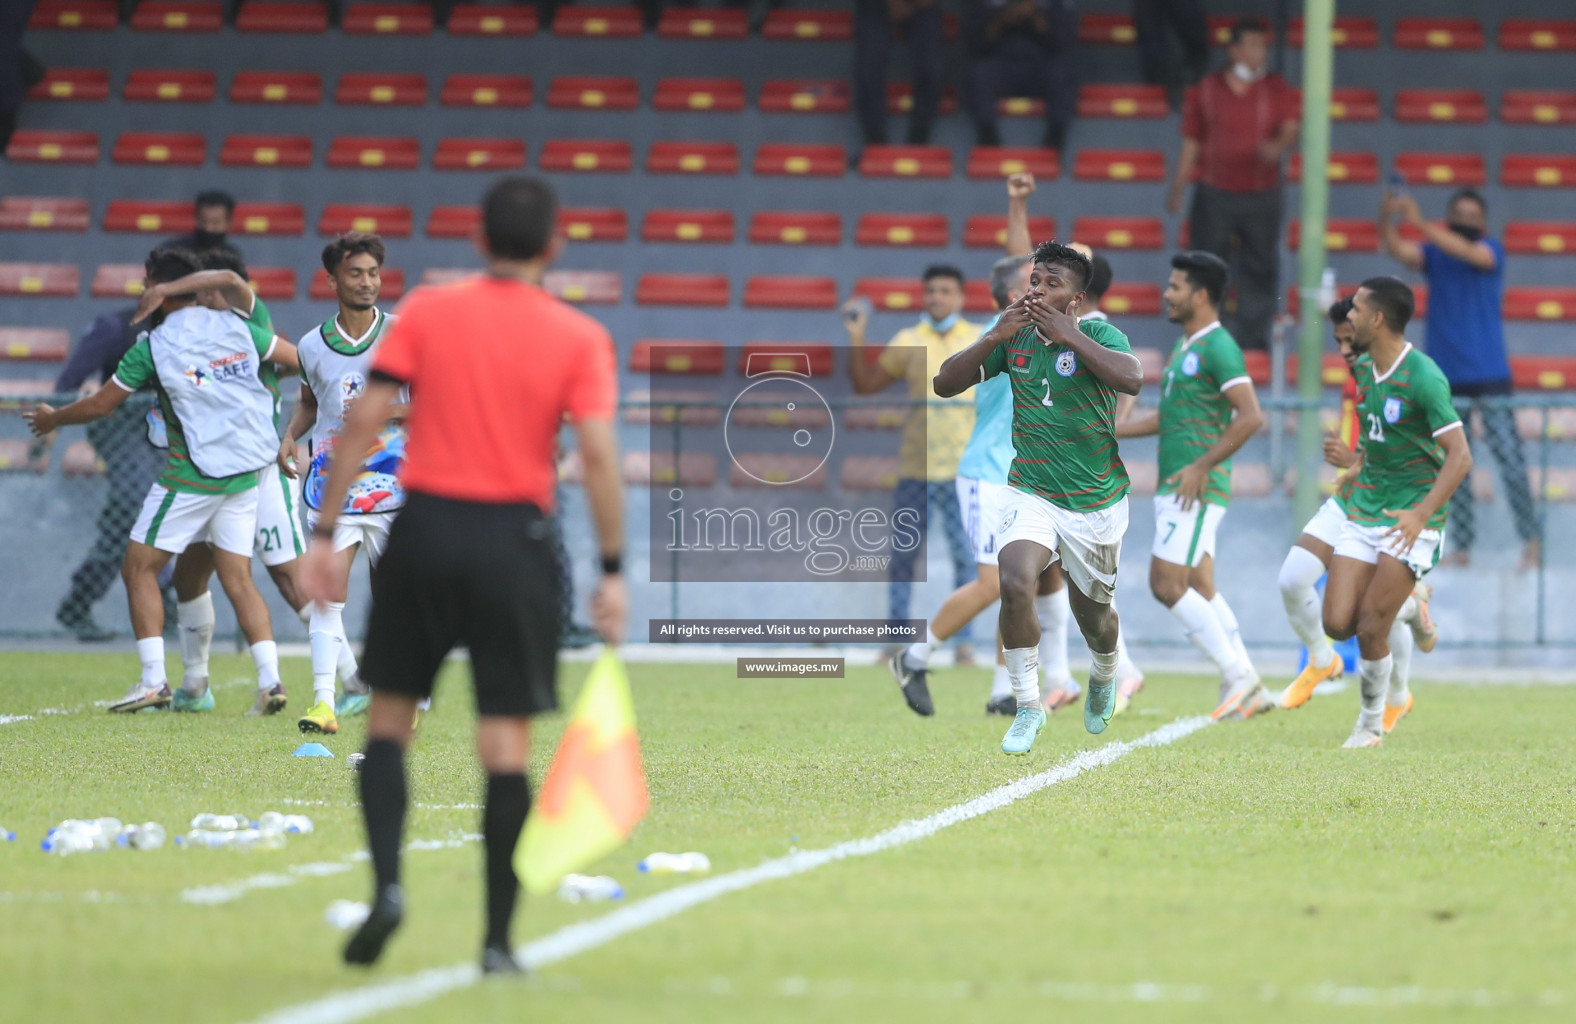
(933, 437)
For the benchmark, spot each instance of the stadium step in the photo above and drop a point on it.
(920, 230)
(714, 226)
(598, 22)
(1438, 34)
(609, 156)
(266, 151)
(1521, 106)
(1341, 234)
(1445, 106)
(178, 16)
(809, 26)
(1533, 170)
(906, 162)
(479, 155)
(269, 219)
(787, 227)
(770, 291)
(593, 225)
(83, 84)
(1124, 101)
(587, 92)
(811, 359)
(1529, 303)
(393, 278)
(1004, 161)
(75, 15)
(699, 94)
(989, 231)
(725, 23)
(42, 279)
(117, 281)
(682, 290)
(282, 18)
(40, 344)
(1537, 34)
(42, 213)
(177, 149)
(486, 90)
(381, 89)
(1142, 299)
(692, 158)
(374, 153)
(492, 20)
(149, 216)
(274, 283)
(50, 147)
(1343, 168)
(382, 19)
(386, 220)
(591, 287)
(296, 88)
(1349, 33)
(1120, 165)
(1540, 238)
(794, 159)
(1441, 168)
(1120, 232)
(671, 356)
(804, 96)
(170, 86)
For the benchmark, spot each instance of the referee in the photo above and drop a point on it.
(494, 365)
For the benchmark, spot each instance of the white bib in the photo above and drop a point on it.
(207, 364)
(337, 379)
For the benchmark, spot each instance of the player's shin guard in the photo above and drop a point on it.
(508, 803)
(195, 618)
(326, 634)
(1298, 576)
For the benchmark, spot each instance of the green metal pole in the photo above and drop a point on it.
(1318, 67)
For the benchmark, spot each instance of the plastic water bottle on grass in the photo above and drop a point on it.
(147, 836)
(676, 864)
(297, 824)
(589, 889)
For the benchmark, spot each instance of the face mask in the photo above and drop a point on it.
(1467, 231)
(1246, 73)
(208, 239)
(942, 326)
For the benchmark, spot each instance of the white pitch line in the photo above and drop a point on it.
(397, 993)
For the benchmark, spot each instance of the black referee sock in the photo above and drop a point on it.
(383, 807)
(508, 802)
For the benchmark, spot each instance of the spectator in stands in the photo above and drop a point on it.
(1022, 48)
(19, 70)
(1236, 126)
(1465, 270)
(877, 24)
(1155, 20)
(214, 210)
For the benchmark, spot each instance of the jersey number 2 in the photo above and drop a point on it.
(1046, 401)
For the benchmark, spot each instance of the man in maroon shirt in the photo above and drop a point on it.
(1236, 126)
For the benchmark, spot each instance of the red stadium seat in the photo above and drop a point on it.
(19, 213)
(381, 89)
(692, 158)
(1125, 101)
(590, 225)
(790, 292)
(393, 287)
(492, 20)
(810, 358)
(1537, 34)
(598, 22)
(714, 226)
(282, 18)
(900, 99)
(446, 275)
(1120, 165)
(1257, 363)
(678, 23)
(44, 344)
(1020, 106)
(690, 469)
(609, 156)
(1537, 171)
(42, 147)
(389, 221)
(452, 221)
(266, 151)
(1526, 107)
(1341, 235)
(1350, 33)
(804, 96)
(717, 94)
(479, 155)
(591, 287)
(892, 293)
(79, 15)
(1343, 168)
(587, 92)
(663, 355)
(818, 161)
(1107, 30)
(1540, 303)
(1120, 232)
(977, 297)
(769, 469)
(374, 153)
(1540, 238)
(1456, 106)
(682, 290)
(1349, 104)
(116, 281)
(788, 227)
(868, 473)
(906, 162)
(486, 90)
(290, 87)
(1438, 34)
(1003, 161)
(170, 86)
(269, 219)
(376, 19)
(273, 282)
(80, 459)
(1441, 168)
(177, 149)
(46, 279)
(809, 26)
(989, 231)
(1543, 373)
(178, 16)
(923, 230)
(150, 216)
(1132, 300)
(90, 84)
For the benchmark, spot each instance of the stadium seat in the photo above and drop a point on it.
(1527, 303)
(149, 216)
(1349, 104)
(492, 20)
(700, 94)
(379, 19)
(1349, 33)
(900, 99)
(688, 226)
(1341, 234)
(486, 90)
(45, 147)
(787, 227)
(27, 213)
(611, 156)
(1257, 363)
(809, 26)
(1120, 165)
(892, 293)
(479, 155)
(1441, 168)
(393, 286)
(374, 153)
(875, 417)
(381, 89)
(591, 287)
(266, 151)
(1537, 34)
(291, 87)
(49, 279)
(1020, 106)
(679, 23)
(922, 230)
(170, 86)
(88, 84)
(281, 18)
(1107, 30)
(1538, 171)
(178, 16)
(814, 358)
(1343, 168)
(1519, 106)
(76, 15)
(452, 221)
(598, 22)
(1453, 106)
(1153, 362)
(446, 275)
(694, 408)
(690, 469)
(682, 290)
(1125, 101)
(43, 344)
(1438, 34)
(818, 161)
(269, 219)
(1120, 232)
(804, 96)
(906, 162)
(588, 92)
(1002, 161)
(80, 459)
(275, 283)
(1251, 480)
(117, 281)
(692, 158)
(1532, 238)
(989, 231)
(389, 221)
(178, 149)
(1543, 373)
(790, 292)
(1140, 299)
(977, 297)
(769, 469)
(868, 472)
(662, 355)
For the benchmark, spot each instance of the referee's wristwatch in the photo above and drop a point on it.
(612, 565)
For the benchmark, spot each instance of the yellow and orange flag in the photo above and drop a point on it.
(595, 791)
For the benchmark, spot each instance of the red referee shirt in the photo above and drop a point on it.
(494, 366)
(1230, 129)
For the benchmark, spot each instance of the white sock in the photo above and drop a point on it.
(1125, 669)
(1103, 672)
(1401, 643)
(1375, 679)
(265, 655)
(325, 634)
(1000, 683)
(1023, 670)
(304, 613)
(1408, 610)
(1203, 627)
(347, 658)
(918, 654)
(195, 618)
(424, 705)
(1298, 575)
(151, 653)
(1228, 622)
(1053, 611)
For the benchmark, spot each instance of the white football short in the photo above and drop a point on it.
(370, 530)
(279, 537)
(173, 520)
(980, 503)
(1089, 544)
(1367, 543)
(1185, 538)
(1327, 523)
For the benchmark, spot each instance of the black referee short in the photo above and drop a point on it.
(473, 574)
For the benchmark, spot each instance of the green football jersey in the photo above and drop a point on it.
(1401, 415)
(1063, 420)
(1194, 408)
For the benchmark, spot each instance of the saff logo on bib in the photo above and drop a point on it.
(1190, 364)
(351, 385)
(1067, 363)
(1392, 410)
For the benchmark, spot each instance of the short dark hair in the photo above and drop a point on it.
(224, 259)
(1248, 23)
(168, 263)
(1204, 270)
(942, 270)
(518, 215)
(352, 243)
(1099, 277)
(1339, 310)
(215, 197)
(1394, 299)
(1001, 274)
(1053, 253)
(1468, 193)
